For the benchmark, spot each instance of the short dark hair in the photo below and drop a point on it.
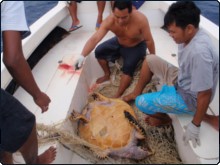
(182, 13)
(121, 5)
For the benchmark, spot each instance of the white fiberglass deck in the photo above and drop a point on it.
(69, 91)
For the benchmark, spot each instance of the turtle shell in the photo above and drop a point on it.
(107, 127)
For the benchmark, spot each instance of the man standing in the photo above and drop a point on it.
(133, 37)
(18, 125)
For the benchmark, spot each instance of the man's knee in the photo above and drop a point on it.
(152, 59)
(98, 51)
(128, 71)
(142, 103)
(129, 67)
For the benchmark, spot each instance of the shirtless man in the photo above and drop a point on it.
(133, 37)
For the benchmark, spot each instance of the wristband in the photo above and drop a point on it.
(196, 125)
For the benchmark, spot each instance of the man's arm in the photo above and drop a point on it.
(18, 67)
(148, 36)
(91, 44)
(94, 40)
(193, 128)
(203, 101)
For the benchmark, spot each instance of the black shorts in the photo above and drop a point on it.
(16, 123)
(111, 50)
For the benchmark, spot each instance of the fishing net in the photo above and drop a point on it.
(159, 139)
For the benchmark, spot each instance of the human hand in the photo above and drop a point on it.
(79, 62)
(191, 133)
(42, 100)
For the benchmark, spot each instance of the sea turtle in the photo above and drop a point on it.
(111, 124)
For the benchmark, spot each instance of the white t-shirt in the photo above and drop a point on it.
(13, 16)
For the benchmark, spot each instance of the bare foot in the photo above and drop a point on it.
(156, 122)
(212, 120)
(47, 157)
(129, 97)
(102, 79)
(77, 22)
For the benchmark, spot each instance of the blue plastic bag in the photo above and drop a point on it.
(167, 100)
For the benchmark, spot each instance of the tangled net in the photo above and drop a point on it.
(159, 139)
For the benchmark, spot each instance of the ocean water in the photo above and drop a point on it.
(35, 9)
(210, 10)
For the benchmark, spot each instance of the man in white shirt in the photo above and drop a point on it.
(18, 125)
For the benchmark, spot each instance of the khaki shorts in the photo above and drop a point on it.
(165, 72)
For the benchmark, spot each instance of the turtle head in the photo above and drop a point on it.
(95, 96)
(99, 97)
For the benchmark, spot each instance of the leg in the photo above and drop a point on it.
(153, 65)
(145, 77)
(105, 67)
(107, 51)
(157, 104)
(101, 7)
(112, 3)
(6, 158)
(73, 13)
(212, 120)
(124, 83)
(30, 151)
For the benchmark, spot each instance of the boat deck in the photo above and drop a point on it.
(59, 84)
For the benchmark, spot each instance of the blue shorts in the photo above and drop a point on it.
(111, 50)
(167, 100)
(16, 123)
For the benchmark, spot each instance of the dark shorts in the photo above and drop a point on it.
(75, 1)
(16, 123)
(111, 50)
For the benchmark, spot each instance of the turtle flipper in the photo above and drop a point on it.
(103, 154)
(134, 122)
(99, 97)
(76, 116)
